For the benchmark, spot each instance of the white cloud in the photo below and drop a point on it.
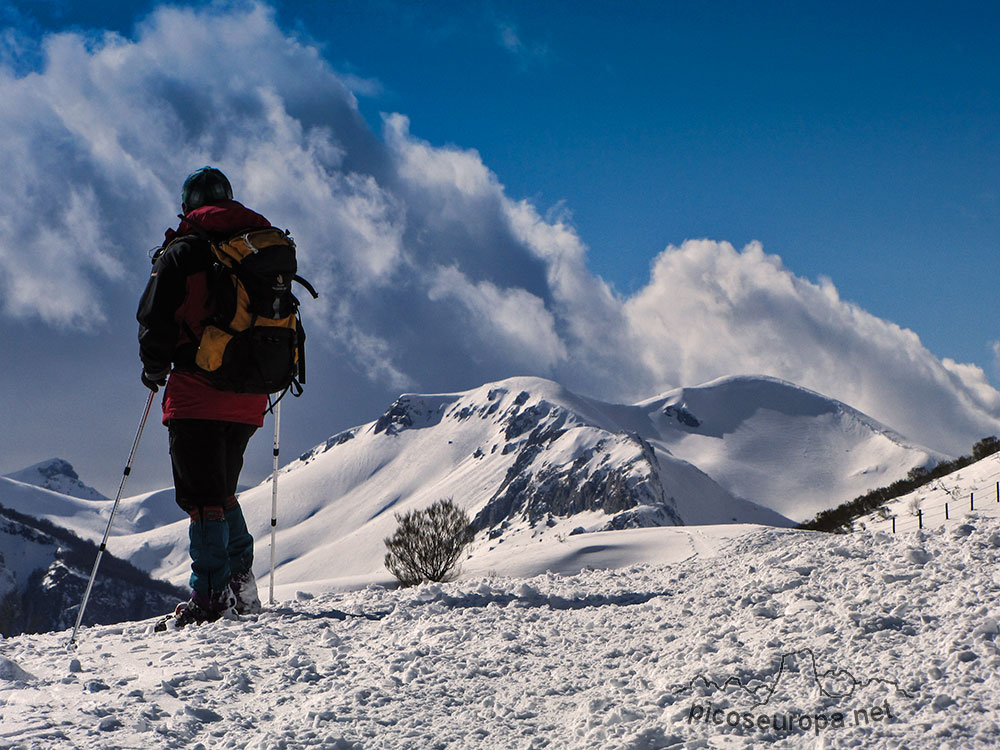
(437, 169)
(431, 276)
(511, 39)
(710, 310)
(509, 319)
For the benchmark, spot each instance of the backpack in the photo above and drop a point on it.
(254, 342)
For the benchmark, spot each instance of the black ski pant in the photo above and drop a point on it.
(206, 457)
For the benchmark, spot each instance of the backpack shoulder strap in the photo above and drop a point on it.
(158, 252)
(307, 285)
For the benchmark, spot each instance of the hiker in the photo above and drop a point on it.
(208, 427)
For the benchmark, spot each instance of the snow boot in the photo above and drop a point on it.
(199, 609)
(244, 587)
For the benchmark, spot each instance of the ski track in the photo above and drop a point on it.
(603, 659)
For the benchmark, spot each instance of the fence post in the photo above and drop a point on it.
(920, 518)
(893, 524)
(972, 501)
(946, 511)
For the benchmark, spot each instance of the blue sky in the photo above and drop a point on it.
(856, 141)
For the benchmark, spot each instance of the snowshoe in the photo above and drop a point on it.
(199, 609)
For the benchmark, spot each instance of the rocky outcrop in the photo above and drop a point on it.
(614, 473)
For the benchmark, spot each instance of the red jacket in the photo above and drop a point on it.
(173, 311)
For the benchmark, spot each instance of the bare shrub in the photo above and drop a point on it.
(427, 543)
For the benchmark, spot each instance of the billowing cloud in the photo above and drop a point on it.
(713, 310)
(432, 277)
(514, 320)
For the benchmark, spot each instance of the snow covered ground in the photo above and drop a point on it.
(868, 640)
(721, 636)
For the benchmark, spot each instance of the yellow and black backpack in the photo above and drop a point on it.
(254, 342)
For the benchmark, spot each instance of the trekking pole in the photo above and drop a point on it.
(274, 497)
(107, 531)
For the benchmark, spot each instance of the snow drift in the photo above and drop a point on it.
(762, 626)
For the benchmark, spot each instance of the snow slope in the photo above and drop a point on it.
(757, 642)
(944, 502)
(89, 518)
(780, 445)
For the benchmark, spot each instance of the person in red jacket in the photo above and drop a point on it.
(208, 428)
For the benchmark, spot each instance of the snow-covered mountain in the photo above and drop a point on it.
(531, 462)
(782, 446)
(57, 475)
(49, 523)
(88, 518)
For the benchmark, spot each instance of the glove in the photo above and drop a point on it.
(153, 380)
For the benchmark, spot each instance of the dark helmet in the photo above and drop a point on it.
(204, 186)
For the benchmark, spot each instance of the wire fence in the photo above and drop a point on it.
(941, 500)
